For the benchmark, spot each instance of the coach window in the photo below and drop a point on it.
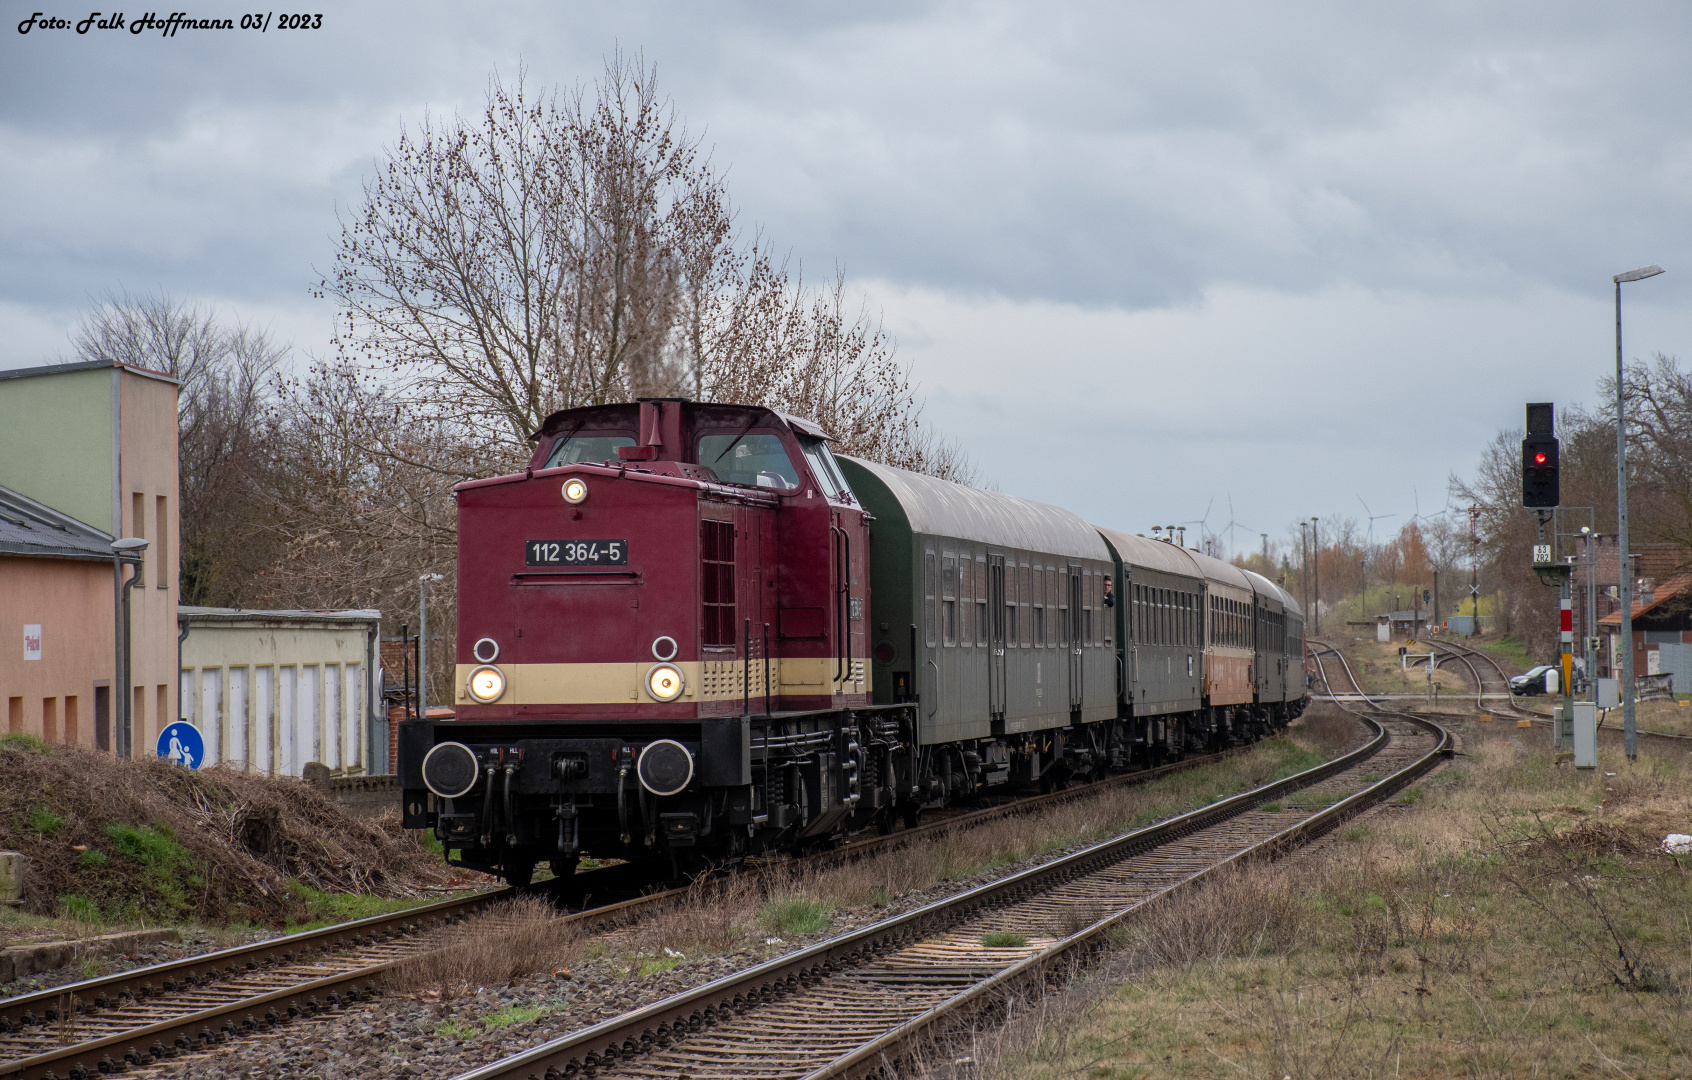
(966, 598)
(753, 458)
(981, 600)
(1039, 605)
(949, 597)
(928, 597)
(1010, 601)
(1088, 580)
(1058, 597)
(590, 448)
(1027, 599)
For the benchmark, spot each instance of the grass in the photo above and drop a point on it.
(327, 908)
(465, 1029)
(1004, 939)
(655, 965)
(44, 821)
(512, 938)
(1522, 922)
(793, 915)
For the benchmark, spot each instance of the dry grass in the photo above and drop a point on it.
(515, 937)
(127, 841)
(1522, 922)
(724, 915)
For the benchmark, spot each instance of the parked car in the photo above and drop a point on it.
(1531, 683)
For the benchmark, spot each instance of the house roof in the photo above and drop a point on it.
(1661, 594)
(34, 529)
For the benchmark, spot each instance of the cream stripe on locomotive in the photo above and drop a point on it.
(703, 680)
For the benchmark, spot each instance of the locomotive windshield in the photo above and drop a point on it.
(593, 448)
(755, 458)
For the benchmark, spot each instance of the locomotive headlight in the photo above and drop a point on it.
(486, 684)
(575, 490)
(664, 682)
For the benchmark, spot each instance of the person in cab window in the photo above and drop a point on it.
(1109, 592)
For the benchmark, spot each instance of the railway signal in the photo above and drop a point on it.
(1539, 458)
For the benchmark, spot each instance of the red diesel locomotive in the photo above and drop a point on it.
(688, 630)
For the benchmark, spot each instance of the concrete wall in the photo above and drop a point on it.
(272, 694)
(71, 600)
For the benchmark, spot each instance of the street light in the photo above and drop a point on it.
(1630, 738)
(130, 549)
(1316, 567)
(423, 644)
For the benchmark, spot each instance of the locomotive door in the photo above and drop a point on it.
(1074, 636)
(996, 646)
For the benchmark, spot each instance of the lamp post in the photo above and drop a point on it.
(423, 644)
(129, 549)
(1316, 566)
(1304, 566)
(1630, 738)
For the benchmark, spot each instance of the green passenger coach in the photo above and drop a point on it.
(988, 611)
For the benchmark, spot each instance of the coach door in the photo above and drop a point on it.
(996, 643)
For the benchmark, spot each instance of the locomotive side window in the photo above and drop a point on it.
(756, 459)
(591, 448)
(716, 558)
(928, 597)
(824, 468)
(949, 597)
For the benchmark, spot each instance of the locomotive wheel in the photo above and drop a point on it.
(519, 871)
(564, 866)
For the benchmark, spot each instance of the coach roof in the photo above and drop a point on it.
(942, 508)
(1151, 554)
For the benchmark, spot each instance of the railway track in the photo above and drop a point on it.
(155, 1014)
(857, 1004)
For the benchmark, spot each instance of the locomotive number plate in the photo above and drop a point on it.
(577, 553)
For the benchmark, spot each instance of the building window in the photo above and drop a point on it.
(163, 543)
(716, 576)
(50, 719)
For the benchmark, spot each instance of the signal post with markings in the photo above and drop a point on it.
(1576, 740)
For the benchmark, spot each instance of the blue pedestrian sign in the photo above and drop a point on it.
(181, 743)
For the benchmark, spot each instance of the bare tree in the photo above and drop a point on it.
(533, 260)
(569, 251)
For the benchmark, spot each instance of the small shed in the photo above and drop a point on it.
(272, 691)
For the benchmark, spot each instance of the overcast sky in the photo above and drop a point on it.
(1143, 258)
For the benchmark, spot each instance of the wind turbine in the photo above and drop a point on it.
(1203, 522)
(1373, 517)
(1232, 524)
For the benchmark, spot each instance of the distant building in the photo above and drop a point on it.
(272, 691)
(88, 454)
(1662, 631)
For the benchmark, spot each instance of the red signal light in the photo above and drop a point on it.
(1539, 458)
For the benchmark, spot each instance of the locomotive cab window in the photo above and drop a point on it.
(824, 468)
(753, 458)
(587, 448)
